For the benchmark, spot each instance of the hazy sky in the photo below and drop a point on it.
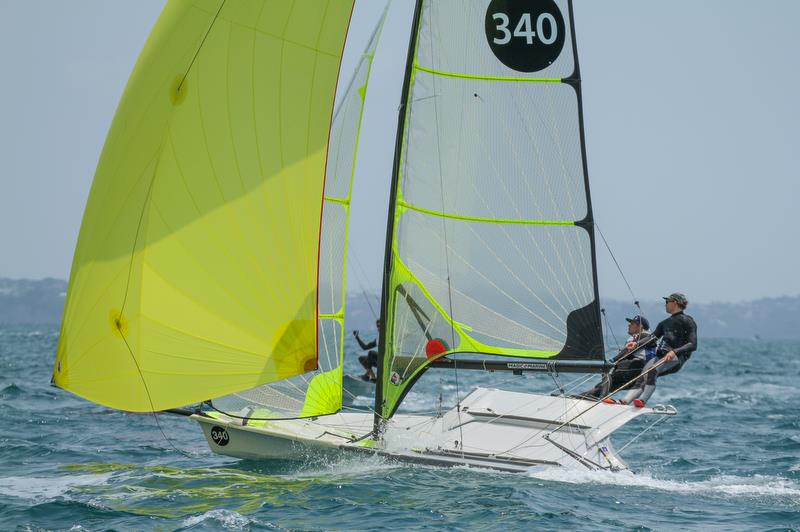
(691, 113)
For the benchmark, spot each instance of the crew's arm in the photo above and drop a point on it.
(641, 341)
(361, 343)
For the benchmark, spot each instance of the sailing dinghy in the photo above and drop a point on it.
(210, 267)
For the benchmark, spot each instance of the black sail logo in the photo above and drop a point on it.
(525, 35)
(219, 436)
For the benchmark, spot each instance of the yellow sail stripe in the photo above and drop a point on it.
(484, 78)
(451, 216)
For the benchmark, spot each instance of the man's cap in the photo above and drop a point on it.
(678, 298)
(641, 320)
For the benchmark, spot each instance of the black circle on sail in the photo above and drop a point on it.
(525, 35)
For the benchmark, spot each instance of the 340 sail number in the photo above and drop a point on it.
(525, 35)
(547, 34)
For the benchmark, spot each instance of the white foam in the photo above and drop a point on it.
(363, 400)
(226, 518)
(349, 465)
(38, 488)
(757, 485)
(745, 393)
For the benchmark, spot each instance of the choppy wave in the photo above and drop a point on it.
(754, 486)
(227, 519)
(728, 460)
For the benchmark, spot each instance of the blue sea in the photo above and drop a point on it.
(729, 461)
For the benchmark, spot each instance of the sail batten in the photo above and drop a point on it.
(485, 78)
(453, 216)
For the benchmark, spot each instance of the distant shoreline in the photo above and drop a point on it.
(41, 302)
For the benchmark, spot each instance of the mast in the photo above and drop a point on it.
(387, 263)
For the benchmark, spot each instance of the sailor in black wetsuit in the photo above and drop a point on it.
(678, 340)
(369, 360)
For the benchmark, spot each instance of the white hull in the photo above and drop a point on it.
(497, 429)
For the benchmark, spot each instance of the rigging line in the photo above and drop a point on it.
(581, 380)
(574, 383)
(197, 52)
(579, 414)
(361, 275)
(441, 386)
(619, 268)
(309, 419)
(609, 328)
(150, 399)
(430, 282)
(264, 404)
(656, 422)
(244, 397)
(117, 320)
(554, 375)
(447, 254)
(427, 421)
(354, 397)
(608, 395)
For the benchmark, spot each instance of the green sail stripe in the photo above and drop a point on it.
(449, 216)
(341, 201)
(484, 78)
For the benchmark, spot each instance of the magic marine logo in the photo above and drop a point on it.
(219, 436)
(526, 365)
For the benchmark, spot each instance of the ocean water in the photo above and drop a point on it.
(729, 461)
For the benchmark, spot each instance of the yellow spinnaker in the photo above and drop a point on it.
(195, 273)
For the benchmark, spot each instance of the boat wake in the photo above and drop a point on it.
(42, 489)
(728, 485)
(347, 466)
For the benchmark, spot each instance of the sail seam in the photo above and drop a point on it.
(483, 220)
(340, 201)
(445, 73)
